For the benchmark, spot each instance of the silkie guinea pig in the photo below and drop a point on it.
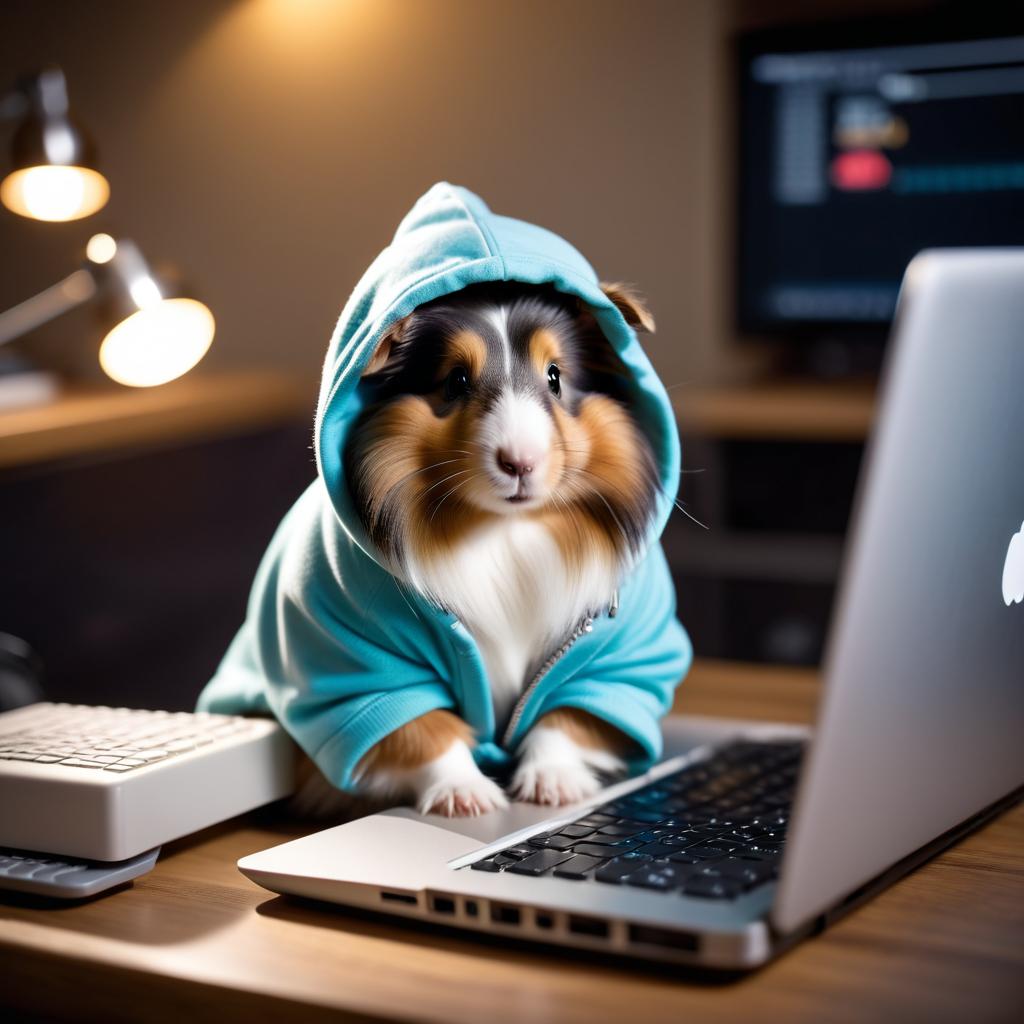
(470, 602)
(503, 477)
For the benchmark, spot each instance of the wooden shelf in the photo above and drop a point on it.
(90, 421)
(779, 410)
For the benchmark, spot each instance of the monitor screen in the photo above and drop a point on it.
(852, 160)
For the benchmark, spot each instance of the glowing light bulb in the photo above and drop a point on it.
(157, 343)
(54, 193)
(101, 248)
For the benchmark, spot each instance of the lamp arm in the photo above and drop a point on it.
(60, 298)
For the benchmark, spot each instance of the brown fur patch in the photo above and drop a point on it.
(588, 730)
(605, 476)
(416, 743)
(545, 348)
(466, 349)
(430, 460)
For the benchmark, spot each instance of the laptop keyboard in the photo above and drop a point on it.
(713, 830)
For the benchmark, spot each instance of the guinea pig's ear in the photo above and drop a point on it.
(387, 347)
(630, 305)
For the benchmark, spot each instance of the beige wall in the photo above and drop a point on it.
(269, 147)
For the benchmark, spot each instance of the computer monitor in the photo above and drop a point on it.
(861, 145)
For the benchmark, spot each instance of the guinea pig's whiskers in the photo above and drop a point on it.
(448, 493)
(445, 479)
(426, 469)
(591, 489)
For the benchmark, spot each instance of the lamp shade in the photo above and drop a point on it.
(54, 175)
(158, 334)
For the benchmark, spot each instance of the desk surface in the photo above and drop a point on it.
(97, 420)
(195, 940)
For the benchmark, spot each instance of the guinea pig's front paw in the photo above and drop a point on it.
(454, 786)
(554, 782)
(462, 796)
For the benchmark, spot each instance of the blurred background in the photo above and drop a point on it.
(763, 171)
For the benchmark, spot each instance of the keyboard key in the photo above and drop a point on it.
(577, 867)
(613, 850)
(599, 840)
(658, 849)
(577, 831)
(539, 862)
(709, 887)
(630, 829)
(519, 852)
(748, 873)
(685, 857)
(615, 870)
(81, 762)
(658, 876)
(713, 848)
(757, 851)
(554, 842)
(596, 820)
(490, 864)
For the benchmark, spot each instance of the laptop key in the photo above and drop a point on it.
(658, 876)
(577, 831)
(554, 842)
(759, 851)
(685, 857)
(539, 862)
(577, 867)
(597, 820)
(714, 848)
(615, 870)
(710, 887)
(749, 873)
(518, 852)
(658, 849)
(486, 865)
(589, 849)
(622, 829)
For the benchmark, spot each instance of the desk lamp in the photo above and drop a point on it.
(54, 176)
(157, 333)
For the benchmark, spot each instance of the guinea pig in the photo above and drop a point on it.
(500, 472)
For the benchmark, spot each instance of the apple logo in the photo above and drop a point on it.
(1013, 571)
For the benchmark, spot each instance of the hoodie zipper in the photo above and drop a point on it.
(586, 625)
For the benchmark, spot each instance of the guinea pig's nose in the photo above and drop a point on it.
(514, 465)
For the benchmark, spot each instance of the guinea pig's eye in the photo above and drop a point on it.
(456, 384)
(554, 379)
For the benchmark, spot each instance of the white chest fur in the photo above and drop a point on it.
(509, 585)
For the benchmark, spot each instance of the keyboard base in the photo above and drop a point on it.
(59, 878)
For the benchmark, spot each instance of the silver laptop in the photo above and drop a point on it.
(748, 837)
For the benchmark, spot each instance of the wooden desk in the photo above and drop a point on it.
(98, 420)
(196, 941)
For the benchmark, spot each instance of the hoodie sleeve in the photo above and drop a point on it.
(316, 647)
(631, 682)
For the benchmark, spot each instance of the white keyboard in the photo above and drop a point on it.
(107, 784)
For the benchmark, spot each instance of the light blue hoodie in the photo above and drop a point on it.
(342, 653)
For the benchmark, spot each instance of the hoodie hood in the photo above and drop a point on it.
(448, 241)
